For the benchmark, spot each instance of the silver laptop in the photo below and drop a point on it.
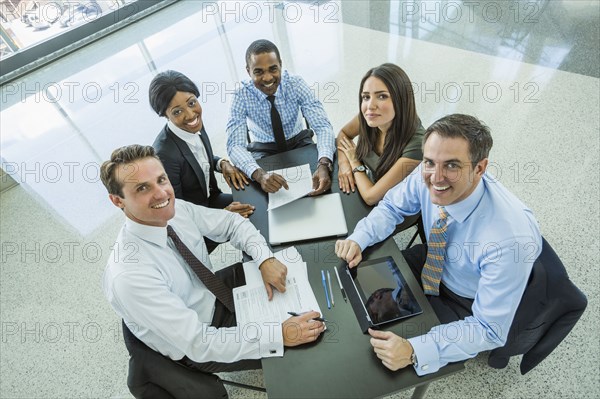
(307, 218)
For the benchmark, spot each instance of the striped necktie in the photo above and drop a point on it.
(212, 282)
(431, 275)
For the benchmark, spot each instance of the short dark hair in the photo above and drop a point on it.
(469, 128)
(122, 156)
(165, 85)
(261, 46)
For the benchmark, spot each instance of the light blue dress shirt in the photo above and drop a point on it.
(251, 112)
(492, 242)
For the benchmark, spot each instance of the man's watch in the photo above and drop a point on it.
(359, 168)
(327, 163)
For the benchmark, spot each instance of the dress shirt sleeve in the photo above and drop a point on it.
(220, 225)
(400, 201)
(504, 268)
(149, 301)
(315, 114)
(237, 136)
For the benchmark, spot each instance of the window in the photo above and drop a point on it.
(35, 32)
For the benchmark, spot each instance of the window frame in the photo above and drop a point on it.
(47, 51)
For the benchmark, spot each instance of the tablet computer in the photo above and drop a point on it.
(379, 293)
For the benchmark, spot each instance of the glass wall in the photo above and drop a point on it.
(35, 32)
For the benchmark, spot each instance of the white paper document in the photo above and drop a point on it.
(299, 180)
(252, 303)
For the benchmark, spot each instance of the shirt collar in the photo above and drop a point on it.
(153, 234)
(190, 138)
(461, 210)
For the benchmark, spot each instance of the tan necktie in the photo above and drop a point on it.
(431, 275)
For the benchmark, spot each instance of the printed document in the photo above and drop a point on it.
(299, 180)
(252, 303)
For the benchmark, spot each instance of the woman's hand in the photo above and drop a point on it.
(345, 175)
(233, 176)
(244, 210)
(347, 147)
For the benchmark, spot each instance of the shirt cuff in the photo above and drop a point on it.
(271, 340)
(218, 165)
(361, 238)
(428, 358)
(260, 252)
(325, 154)
(250, 168)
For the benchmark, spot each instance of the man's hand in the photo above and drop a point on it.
(233, 176)
(302, 329)
(243, 209)
(321, 180)
(394, 351)
(349, 251)
(273, 274)
(269, 182)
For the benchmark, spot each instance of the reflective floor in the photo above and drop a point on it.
(529, 69)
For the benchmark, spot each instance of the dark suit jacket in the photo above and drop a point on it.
(549, 309)
(183, 170)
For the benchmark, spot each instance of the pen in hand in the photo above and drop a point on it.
(299, 314)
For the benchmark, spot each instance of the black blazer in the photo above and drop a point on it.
(183, 170)
(549, 309)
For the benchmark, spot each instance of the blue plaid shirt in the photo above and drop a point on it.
(251, 111)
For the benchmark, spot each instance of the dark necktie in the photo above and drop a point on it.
(212, 282)
(277, 126)
(436, 251)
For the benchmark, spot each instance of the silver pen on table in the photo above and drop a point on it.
(340, 283)
(330, 290)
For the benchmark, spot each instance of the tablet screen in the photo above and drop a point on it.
(383, 291)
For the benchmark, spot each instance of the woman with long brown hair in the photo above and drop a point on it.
(389, 135)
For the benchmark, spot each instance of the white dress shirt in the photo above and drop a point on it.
(196, 145)
(152, 288)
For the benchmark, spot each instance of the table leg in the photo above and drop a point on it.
(419, 392)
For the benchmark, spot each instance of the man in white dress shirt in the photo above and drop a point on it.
(160, 298)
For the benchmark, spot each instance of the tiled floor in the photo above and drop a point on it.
(533, 81)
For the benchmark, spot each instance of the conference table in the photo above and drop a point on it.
(341, 363)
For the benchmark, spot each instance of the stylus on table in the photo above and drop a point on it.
(330, 289)
(325, 288)
(315, 318)
(340, 283)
